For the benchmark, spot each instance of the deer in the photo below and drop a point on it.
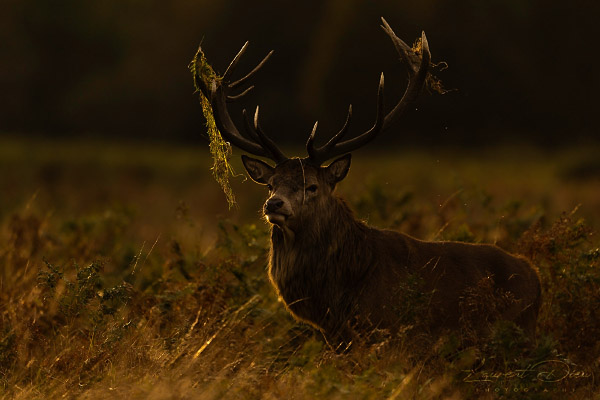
(345, 278)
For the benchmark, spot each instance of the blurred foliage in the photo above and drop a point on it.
(521, 68)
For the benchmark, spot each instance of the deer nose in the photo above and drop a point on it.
(273, 205)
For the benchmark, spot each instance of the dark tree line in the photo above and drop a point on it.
(520, 68)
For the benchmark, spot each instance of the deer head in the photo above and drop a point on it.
(297, 185)
(297, 188)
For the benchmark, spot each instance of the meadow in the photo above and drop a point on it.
(124, 274)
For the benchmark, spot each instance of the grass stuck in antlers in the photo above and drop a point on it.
(219, 148)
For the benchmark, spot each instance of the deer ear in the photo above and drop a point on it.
(259, 171)
(338, 169)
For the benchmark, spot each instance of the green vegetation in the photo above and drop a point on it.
(219, 148)
(123, 274)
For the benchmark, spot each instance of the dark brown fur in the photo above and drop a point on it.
(343, 277)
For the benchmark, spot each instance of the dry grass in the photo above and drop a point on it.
(118, 278)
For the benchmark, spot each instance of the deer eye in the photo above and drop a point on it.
(269, 187)
(311, 188)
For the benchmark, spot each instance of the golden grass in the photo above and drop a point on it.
(123, 274)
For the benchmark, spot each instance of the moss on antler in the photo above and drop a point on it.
(219, 148)
(432, 82)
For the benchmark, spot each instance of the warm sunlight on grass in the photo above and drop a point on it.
(124, 275)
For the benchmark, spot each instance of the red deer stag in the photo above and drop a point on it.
(344, 277)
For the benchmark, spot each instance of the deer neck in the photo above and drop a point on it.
(323, 246)
(316, 268)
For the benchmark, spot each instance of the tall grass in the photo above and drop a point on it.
(96, 301)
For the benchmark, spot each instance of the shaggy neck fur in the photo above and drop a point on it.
(317, 270)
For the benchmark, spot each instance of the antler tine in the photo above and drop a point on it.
(217, 91)
(235, 61)
(340, 135)
(310, 147)
(250, 126)
(267, 143)
(418, 69)
(255, 70)
(258, 135)
(402, 48)
(332, 148)
(227, 127)
(379, 120)
(416, 81)
(231, 99)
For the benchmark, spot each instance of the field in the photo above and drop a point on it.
(123, 274)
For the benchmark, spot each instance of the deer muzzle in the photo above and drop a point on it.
(274, 211)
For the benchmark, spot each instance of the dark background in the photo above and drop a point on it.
(522, 70)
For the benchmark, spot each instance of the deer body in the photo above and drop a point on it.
(358, 280)
(344, 277)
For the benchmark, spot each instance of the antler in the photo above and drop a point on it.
(418, 69)
(218, 92)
